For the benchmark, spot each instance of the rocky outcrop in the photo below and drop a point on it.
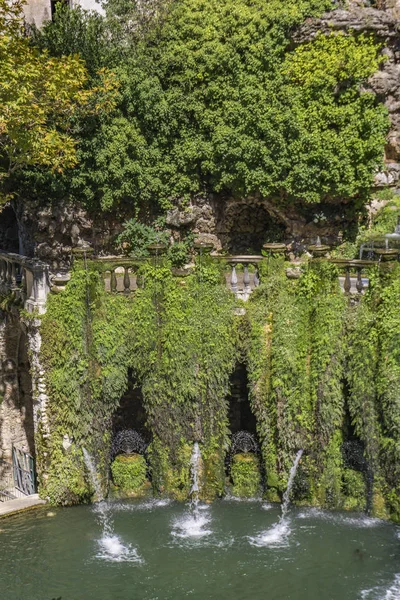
(384, 24)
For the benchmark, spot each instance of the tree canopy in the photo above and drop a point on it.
(40, 97)
(215, 97)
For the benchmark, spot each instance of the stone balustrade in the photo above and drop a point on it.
(28, 279)
(119, 273)
(240, 284)
(357, 284)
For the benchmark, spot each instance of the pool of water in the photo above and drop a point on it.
(159, 550)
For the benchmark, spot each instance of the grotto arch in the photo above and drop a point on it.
(243, 466)
(130, 413)
(241, 417)
(244, 225)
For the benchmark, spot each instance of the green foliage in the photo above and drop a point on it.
(214, 98)
(171, 468)
(321, 370)
(178, 254)
(245, 475)
(386, 219)
(129, 472)
(295, 363)
(41, 98)
(136, 236)
(178, 341)
(354, 489)
(85, 356)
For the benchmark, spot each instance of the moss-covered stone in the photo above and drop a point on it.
(171, 472)
(245, 474)
(129, 472)
(213, 475)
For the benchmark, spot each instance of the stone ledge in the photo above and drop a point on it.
(14, 507)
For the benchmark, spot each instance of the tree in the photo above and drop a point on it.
(211, 101)
(41, 98)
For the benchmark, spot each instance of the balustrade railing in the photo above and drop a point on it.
(119, 273)
(30, 280)
(242, 283)
(27, 279)
(353, 280)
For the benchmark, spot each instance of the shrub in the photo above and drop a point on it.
(129, 471)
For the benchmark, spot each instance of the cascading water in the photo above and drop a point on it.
(278, 534)
(93, 474)
(292, 475)
(192, 525)
(111, 547)
(194, 471)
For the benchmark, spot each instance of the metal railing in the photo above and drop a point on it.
(17, 478)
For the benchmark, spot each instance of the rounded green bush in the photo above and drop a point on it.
(129, 471)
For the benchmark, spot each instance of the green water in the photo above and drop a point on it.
(230, 550)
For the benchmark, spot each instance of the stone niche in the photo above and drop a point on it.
(9, 230)
(16, 405)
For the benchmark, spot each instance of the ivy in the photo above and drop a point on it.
(323, 371)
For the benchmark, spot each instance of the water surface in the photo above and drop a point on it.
(159, 550)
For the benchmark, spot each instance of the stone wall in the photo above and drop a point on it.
(384, 23)
(38, 12)
(16, 407)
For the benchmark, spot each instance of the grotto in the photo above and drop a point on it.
(199, 300)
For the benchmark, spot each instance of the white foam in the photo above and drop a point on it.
(147, 505)
(112, 549)
(340, 518)
(192, 525)
(230, 498)
(267, 506)
(377, 593)
(276, 536)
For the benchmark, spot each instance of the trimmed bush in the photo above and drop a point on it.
(129, 472)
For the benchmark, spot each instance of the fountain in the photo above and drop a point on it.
(111, 547)
(292, 475)
(127, 441)
(192, 524)
(194, 471)
(393, 236)
(94, 480)
(318, 249)
(277, 535)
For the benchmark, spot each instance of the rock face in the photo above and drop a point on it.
(384, 23)
(16, 405)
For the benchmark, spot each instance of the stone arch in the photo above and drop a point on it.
(131, 413)
(244, 225)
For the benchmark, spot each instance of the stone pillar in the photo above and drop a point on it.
(38, 288)
(39, 395)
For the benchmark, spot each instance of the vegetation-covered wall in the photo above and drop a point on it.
(322, 372)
